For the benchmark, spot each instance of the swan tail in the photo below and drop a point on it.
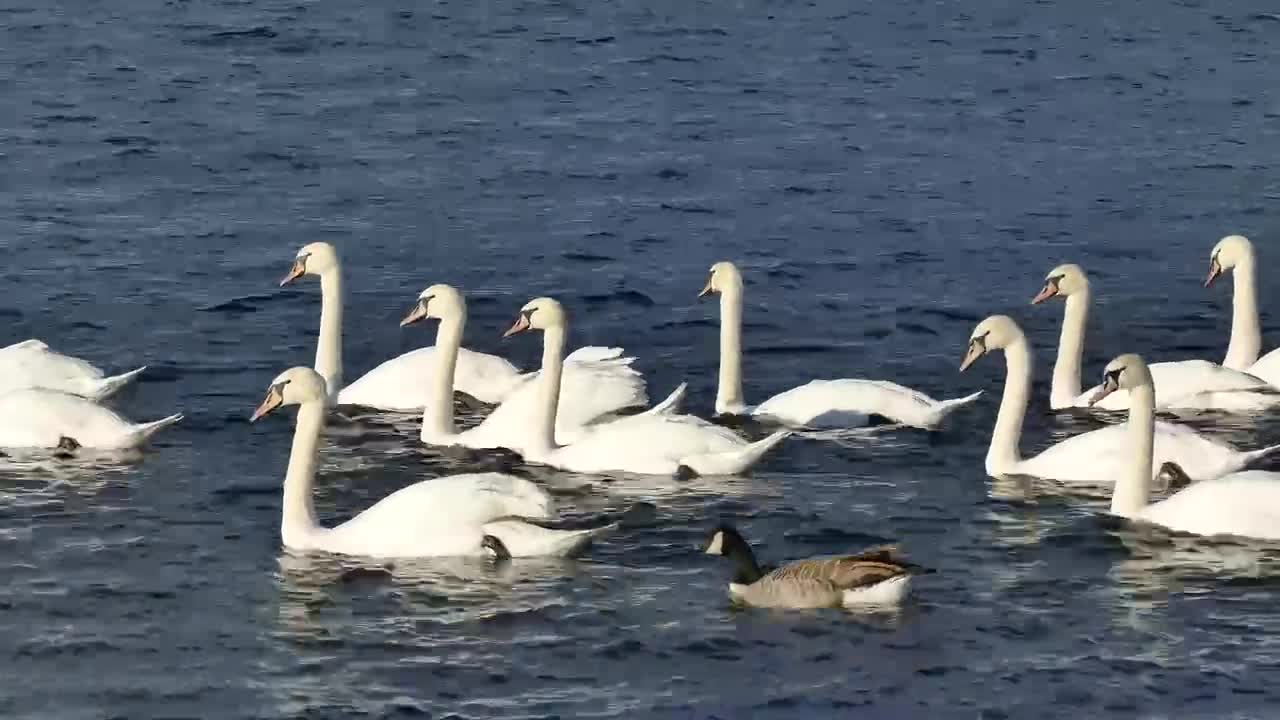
(1256, 455)
(526, 539)
(143, 431)
(732, 462)
(108, 386)
(945, 407)
(671, 404)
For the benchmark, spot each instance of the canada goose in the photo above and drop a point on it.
(878, 576)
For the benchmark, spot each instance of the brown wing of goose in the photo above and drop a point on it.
(845, 573)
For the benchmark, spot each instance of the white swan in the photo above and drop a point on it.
(33, 364)
(820, 403)
(645, 444)
(39, 418)
(1235, 253)
(1097, 456)
(445, 516)
(591, 389)
(401, 383)
(1181, 385)
(1243, 503)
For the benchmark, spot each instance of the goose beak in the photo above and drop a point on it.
(521, 324)
(1045, 293)
(418, 312)
(298, 270)
(1215, 270)
(973, 353)
(1108, 386)
(706, 289)
(272, 401)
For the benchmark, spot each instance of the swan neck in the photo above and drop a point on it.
(544, 430)
(729, 390)
(1003, 456)
(1133, 489)
(1246, 332)
(1066, 370)
(437, 418)
(298, 519)
(329, 345)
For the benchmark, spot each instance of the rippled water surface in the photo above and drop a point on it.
(886, 175)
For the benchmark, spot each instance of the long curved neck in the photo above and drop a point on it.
(298, 519)
(729, 389)
(329, 345)
(1066, 370)
(544, 428)
(1133, 489)
(1003, 455)
(437, 417)
(1246, 334)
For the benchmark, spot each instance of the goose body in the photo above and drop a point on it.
(33, 364)
(820, 403)
(1246, 503)
(876, 577)
(39, 418)
(1180, 385)
(1095, 457)
(597, 382)
(445, 516)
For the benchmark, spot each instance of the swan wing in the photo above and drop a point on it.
(1100, 456)
(851, 402)
(403, 383)
(1196, 384)
(33, 364)
(1244, 503)
(39, 418)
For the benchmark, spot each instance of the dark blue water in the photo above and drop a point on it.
(886, 174)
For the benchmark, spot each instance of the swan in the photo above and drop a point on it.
(819, 403)
(1246, 503)
(40, 418)
(1182, 385)
(646, 444)
(1096, 456)
(442, 517)
(1235, 253)
(33, 364)
(591, 389)
(401, 383)
(876, 577)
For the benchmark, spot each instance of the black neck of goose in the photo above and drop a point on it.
(745, 569)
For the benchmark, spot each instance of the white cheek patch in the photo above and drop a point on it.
(716, 546)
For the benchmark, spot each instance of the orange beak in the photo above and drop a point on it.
(298, 270)
(269, 403)
(418, 312)
(1214, 271)
(1045, 293)
(522, 324)
(1108, 386)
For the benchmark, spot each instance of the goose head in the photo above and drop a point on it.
(316, 258)
(438, 302)
(724, 540)
(995, 333)
(538, 314)
(724, 278)
(1062, 281)
(1229, 252)
(294, 386)
(1124, 373)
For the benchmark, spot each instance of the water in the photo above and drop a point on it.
(886, 176)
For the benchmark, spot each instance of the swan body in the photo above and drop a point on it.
(1180, 385)
(820, 403)
(659, 442)
(40, 418)
(1244, 503)
(597, 382)
(1095, 457)
(1235, 253)
(442, 517)
(397, 384)
(33, 364)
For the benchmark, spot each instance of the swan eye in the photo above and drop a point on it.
(426, 301)
(981, 342)
(528, 314)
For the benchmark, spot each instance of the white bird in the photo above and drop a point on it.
(441, 517)
(39, 418)
(1235, 253)
(1181, 385)
(819, 403)
(591, 388)
(1246, 504)
(1097, 456)
(647, 444)
(33, 364)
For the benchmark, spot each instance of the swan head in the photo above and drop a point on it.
(538, 314)
(1229, 252)
(995, 333)
(1124, 373)
(724, 278)
(315, 258)
(438, 302)
(294, 386)
(1062, 281)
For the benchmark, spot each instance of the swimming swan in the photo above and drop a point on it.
(1235, 253)
(33, 364)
